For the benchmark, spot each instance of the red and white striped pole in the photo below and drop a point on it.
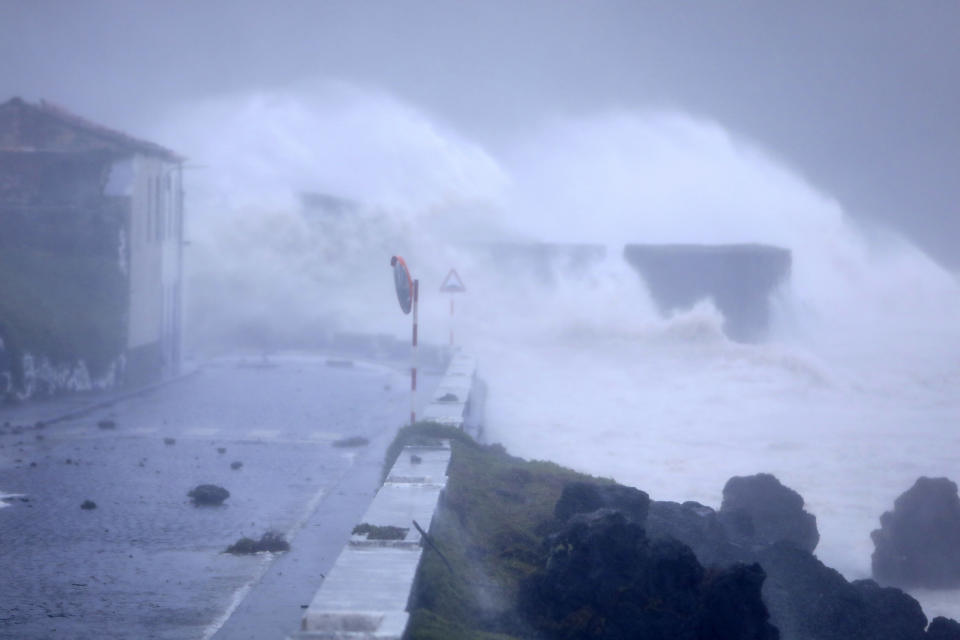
(451, 320)
(413, 368)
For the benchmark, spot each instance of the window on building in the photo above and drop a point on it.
(158, 195)
(170, 229)
(180, 229)
(149, 211)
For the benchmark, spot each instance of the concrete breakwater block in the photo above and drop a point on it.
(738, 278)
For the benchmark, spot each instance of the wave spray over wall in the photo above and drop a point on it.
(853, 396)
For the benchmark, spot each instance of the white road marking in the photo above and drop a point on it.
(264, 434)
(141, 431)
(75, 432)
(265, 561)
(324, 435)
(312, 505)
(201, 432)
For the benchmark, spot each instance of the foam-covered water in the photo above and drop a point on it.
(855, 394)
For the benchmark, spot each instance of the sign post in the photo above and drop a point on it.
(408, 295)
(452, 284)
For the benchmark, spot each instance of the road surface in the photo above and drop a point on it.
(146, 563)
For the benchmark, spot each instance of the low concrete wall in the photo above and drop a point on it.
(367, 592)
(459, 398)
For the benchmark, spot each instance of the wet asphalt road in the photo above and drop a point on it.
(146, 563)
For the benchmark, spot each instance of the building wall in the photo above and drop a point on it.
(63, 294)
(90, 253)
(155, 242)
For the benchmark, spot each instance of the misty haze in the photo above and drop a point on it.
(677, 353)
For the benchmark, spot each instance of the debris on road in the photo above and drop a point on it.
(208, 494)
(88, 505)
(236, 465)
(169, 441)
(374, 532)
(270, 541)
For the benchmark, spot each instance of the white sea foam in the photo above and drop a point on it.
(856, 394)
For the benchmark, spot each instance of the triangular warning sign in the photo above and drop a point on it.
(452, 283)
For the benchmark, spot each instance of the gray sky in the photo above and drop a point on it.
(860, 97)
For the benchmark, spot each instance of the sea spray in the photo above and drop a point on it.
(267, 267)
(853, 396)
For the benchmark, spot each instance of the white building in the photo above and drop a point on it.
(74, 192)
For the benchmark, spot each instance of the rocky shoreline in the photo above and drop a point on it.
(538, 551)
(760, 536)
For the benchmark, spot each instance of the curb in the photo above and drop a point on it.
(112, 399)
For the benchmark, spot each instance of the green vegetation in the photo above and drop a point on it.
(494, 514)
(67, 308)
(421, 433)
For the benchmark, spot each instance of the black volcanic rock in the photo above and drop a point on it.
(809, 600)
(806, 599)
(758, 510)
(943, 629)
(696, 526)
(208, 494)
(604, 579)
(918, 543)
(731, 606)
(586, 497)
(269, 541)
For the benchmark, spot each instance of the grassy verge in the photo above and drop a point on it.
(67, 308)
(490, 526)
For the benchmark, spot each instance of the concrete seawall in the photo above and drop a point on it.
(366, 593)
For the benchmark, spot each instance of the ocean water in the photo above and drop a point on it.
(854, 394)
(847, 410)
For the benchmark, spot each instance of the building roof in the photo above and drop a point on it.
(46, 127)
